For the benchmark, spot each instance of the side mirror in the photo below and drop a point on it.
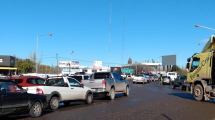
(81, 85)
(188, 59)
(187, 66)
(66, 85)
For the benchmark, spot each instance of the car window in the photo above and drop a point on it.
(102, 75)
(117, 76)
(73, 82)
(18, 81)
(40, 81)
(10, 87)
(79, 78)
(55, 82)
(31, 81)
(86, 77)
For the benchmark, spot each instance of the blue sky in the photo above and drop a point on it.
(140, 29)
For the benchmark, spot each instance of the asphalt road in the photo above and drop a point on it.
(146, 102)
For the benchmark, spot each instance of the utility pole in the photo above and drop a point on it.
(57, 62)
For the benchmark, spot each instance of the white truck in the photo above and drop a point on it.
(108, 83)
(63, 89)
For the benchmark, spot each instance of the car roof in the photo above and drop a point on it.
(21, 77)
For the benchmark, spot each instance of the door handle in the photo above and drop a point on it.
(72, 88)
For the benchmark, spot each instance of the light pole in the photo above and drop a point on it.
(205, 27)
(70, 62)
(37, 45)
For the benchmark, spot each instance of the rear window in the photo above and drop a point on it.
(55, 82)
(35, 81)
(171, 73)
(79, 78)
(102, 75)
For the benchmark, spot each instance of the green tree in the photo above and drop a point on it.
(25, 65)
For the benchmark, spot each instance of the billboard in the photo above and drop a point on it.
(68, 64)
(169, 60)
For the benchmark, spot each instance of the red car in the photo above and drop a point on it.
(26, 81)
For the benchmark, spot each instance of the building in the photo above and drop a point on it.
(7, 65)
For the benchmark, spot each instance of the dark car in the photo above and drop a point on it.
(180, 82)
(14, 100)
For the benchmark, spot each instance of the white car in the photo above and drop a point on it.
(140, 79)
(172, 75)
(63, 89)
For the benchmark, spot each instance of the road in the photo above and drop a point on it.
(146, 102)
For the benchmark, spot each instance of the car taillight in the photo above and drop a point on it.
(39, 91)
(103, 83)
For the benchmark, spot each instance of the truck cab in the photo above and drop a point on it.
(201, 72)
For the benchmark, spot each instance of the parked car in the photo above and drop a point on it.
(63, 89)
(108, 83)
(140, 79)
(180, 82)
(14, 99)
(26, 81)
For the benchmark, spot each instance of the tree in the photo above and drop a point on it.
(24, 66)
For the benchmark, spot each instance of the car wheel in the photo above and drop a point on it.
(54, 103)
(127, 91)
(36, 110)
(89, 98)
(112, 94)
(198, 92)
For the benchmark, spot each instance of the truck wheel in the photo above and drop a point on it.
(89, 98)
(112, 94)
(54, 103)
(127, 91)
(36, 110)
(198, 92)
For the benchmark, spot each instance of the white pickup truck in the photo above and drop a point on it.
(108, 83)
(62, 89)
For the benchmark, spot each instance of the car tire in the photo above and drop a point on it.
(89, 98)
(54, 103)
(127, 91)
(112, 94)
(198, 92)
(36, 109)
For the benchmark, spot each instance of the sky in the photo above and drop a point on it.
(106, 30)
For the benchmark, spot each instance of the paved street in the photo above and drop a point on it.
(146, 102)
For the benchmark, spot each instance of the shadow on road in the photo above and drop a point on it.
(183, 95)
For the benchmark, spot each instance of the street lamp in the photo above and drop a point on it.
(205, 27)
(37, 45)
